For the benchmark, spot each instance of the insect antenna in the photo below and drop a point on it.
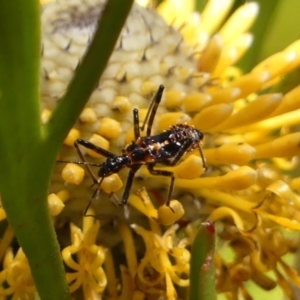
(79, 163)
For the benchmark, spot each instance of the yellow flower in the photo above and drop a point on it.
(89, 259)
(15, 279)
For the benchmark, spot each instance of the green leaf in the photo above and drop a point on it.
(202, 274)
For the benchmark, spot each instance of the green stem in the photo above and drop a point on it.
(202, 274)
(28, 150)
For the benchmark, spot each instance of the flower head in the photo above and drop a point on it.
(89, 259)
(250, 140)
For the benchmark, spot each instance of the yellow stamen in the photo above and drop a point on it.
(151, 211)
(109, 128)
(169, 214)
(72, 136)
(287, 119)
(148, 88)
(195, 102)
(225, 212)
(6, 240)
(190, 168)
(173, 98)
(111, 276)
(228, 199)
(122, 104)
(130, 251)
(168, 119)
(111, 184)
(88, 115)
(64, 195)
(72, 173)
(128, 285)
(253, 112)
(55, 205)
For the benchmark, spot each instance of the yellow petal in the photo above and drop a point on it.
(129, 246)
(176, 11)
(225, 212)
(240, 21)
(232, 52)
(250, 83)
(287, 119)
(285, 146)
(290, 101)
(277, 64)
(212, 116)
(191, 168)
(210, 55)
(213, 15)
(254, 111)
(168, 119)
(285, 222)
(239, 154)
(195, 102)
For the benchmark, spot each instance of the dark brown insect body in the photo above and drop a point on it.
(166, 148)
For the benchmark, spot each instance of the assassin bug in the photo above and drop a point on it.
(166, 148)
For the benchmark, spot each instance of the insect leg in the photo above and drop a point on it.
(202, 157)
(152, 110)
(164, 173)
(96, 149)
(92, 147)
(95, 195)
(129, 184)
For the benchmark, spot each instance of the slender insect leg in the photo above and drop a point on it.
(95, 148)
(95, 196)
(164, 173)
(128, 185)
(136, 125)
(152, 110)
(202, 157)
